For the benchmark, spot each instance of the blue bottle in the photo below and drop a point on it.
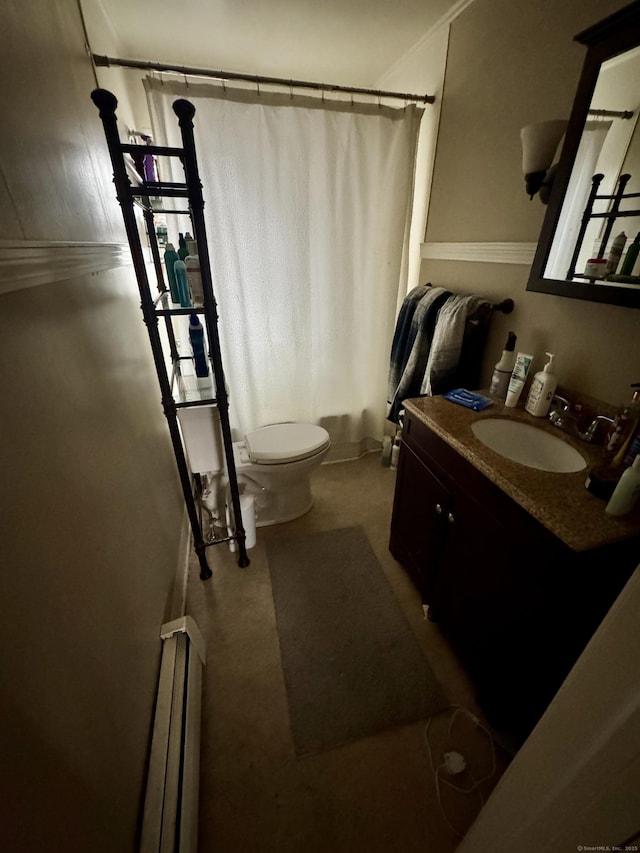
(182, 285)
(170, 258)
(196, 336)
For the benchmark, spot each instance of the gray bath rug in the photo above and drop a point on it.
(351, 665)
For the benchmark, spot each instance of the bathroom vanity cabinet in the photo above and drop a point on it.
(516, 603)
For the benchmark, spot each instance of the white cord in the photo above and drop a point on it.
(457, 709)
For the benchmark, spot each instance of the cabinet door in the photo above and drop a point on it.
(418, 525)
(491, 601)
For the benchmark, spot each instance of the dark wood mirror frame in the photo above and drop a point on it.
(614, 35)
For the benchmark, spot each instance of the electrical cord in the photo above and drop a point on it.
(455, 764)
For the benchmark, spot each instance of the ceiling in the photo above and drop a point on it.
(344, 42)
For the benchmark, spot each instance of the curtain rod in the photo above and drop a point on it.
(108, 61)
(612, 113)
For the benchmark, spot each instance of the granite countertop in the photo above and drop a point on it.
(559, 501)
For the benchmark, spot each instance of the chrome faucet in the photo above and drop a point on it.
(590, 434)
(562, 417)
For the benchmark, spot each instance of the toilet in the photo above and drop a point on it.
(274, 464)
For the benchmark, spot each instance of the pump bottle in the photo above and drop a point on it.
(626, 492)
(503, 369)
(182, 246)
(542, 390)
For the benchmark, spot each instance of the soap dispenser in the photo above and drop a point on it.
(542, 390)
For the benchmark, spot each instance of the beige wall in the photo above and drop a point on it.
(90, 503)
(420, 70)
(510, 64)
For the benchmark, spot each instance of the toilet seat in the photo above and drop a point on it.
(279, 443)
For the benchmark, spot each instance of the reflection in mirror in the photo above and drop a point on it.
(609, 149)
(593, 215)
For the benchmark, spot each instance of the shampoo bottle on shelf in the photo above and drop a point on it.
(542, 390)
(626, 492)
(180, 272)
(502, 371)
(170, 258)
(196, 336)
(631, 257)
(613, 258)
(194, 276)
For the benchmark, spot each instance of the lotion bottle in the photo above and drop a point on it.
(542, 390)
(626, 492)
(503, 369)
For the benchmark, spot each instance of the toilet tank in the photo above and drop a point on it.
(200, 427)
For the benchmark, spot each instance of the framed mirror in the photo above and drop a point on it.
(586, 214)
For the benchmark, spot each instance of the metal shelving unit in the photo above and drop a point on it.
(610, 215)
(146, 196)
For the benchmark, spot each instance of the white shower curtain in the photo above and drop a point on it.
(576, 196)
(307, 206)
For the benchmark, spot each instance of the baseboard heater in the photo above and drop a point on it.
(170, 818)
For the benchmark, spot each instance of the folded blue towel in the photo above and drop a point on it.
(468, 399)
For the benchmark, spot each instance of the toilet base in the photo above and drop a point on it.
(268, 522)
(291, 500)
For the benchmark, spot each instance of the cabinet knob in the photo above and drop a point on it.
(450, 518)
(439, 509)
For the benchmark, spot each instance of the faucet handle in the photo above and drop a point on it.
(559, 408)
(565, 405)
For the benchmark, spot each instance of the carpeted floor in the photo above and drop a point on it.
(375, 793)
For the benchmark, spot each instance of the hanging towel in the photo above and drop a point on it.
(403, 338)
(455, 355)
(413, 347)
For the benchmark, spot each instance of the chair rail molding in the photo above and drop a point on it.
(30, 263)
(494, 253)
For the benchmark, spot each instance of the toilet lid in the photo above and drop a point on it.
(285, 442)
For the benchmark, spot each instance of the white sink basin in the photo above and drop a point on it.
(528, 445)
